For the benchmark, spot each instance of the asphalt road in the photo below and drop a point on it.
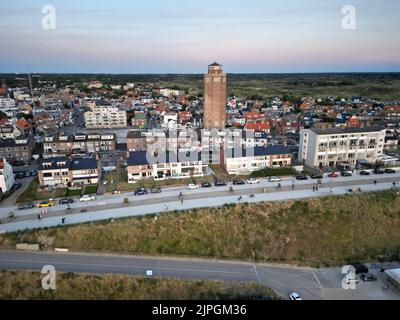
(310, 283)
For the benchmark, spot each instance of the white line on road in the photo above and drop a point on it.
(316, 278)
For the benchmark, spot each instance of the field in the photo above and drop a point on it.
(380, 86)
(317, 232)
(16, 285)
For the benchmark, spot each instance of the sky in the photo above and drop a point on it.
(184, 36)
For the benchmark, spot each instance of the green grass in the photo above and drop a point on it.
(269, 172)
(74, 192)
(33, 192)
(26, 285)
(322, 231)
(90, 190)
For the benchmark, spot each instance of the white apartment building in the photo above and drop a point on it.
(256, 159)
(333, 146)
(105, 117)
(6, 176)
(138, 167)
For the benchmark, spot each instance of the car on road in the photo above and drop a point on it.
(301, 177)
(252, 181)
(316, 176)
(379, 171)
(25, 206)
(141, 192)
(275, 179)
(65, 201)
(345, 174)
(359, 268)
(366, 277)
(45, 204)
(87, 197)
(156, 189)
(206, 185)
(238, 182)
(295, 296)
(333, 175)
(192, 186)
(390, 171)
(364, 173)
(220, 183)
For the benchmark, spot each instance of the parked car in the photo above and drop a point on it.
(45, 204)
(316, 176)
(219, 183)
(368, 277)
(359, 268)
(333, 175)
(238, 182)
(33, 173)
(301, 177)
(156, 189)
(19, 175)
(390, 171)
(345, 174)
(206, 185)
(17, 185)
(275, 179)
(65, 201)
(192, 186)
(25, 206)
(252, 181)
(295, 296)
(351, 278)
(141, 192)
(364, 173)
(87, 197)
(354, 190)
(27, 174)
(379, 171)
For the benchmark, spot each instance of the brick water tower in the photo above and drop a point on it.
(214, 97)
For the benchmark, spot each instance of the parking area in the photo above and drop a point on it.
(326, 284)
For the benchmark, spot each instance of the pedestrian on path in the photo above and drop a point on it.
(39, 216)
(63, 220)
(165, 206)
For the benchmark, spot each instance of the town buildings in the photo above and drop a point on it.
(81, 143)
(171, 167)
(214, 97)
(333, 146)
(6, 176)
(19, 149)
(67, 172)
(105, 117)
(243, 161)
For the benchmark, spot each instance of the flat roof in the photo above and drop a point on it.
(346, 130)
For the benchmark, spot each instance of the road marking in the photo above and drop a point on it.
(316, 278)
(258, 277)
